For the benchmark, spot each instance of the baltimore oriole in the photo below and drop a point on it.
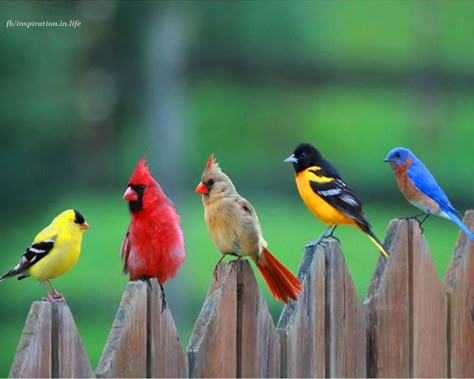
(326, 194)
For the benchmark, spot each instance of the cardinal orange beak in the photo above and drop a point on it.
(130, 194)
(85, 226)
(201, 189)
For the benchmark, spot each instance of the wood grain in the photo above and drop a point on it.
(125, 353)
(167, 358)
(387, 309)
(460, 286)
(301, 326)
(212, 349)
(259, 353)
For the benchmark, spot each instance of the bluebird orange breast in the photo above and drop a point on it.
(411, 193)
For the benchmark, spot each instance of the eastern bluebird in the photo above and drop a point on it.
(421, 189)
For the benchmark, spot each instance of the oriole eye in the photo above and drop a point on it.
(303, 155)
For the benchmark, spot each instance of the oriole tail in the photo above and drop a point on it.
(282, 283)
(376, 241)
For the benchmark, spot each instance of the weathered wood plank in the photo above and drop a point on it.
(72, 360)
(212, 350)
(388, 309)
(168, 360)
(302, 324)
(345, 319)
(428, 311)
(50, 345)
(125, 353)
(259, 352)
(33, 355)
(460, 286)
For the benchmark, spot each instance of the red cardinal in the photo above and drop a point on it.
(234, 227)
(153, 246)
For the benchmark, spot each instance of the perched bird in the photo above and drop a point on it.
(234, 227)
(54, 251)
(326, 194)
(421, 189)
(153, 246)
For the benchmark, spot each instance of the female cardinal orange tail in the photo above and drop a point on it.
(282, 283)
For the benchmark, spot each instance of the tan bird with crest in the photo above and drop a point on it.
(233, 225)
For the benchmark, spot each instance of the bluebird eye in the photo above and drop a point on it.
(397, 154)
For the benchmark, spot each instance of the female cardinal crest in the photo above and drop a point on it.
(153, 246)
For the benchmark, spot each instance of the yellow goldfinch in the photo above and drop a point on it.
(54, 251)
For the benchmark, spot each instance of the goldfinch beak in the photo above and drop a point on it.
(291, 159)
(85, 225)
(130, 195)
(201, 189)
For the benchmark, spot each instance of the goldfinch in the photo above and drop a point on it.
(54, 251)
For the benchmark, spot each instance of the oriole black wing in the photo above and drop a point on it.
(339, 195)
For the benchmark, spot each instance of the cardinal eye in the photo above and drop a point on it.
(210, 182)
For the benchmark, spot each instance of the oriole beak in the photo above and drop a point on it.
(291, 159)
(130, 194)
(85, 225)
(201, 189)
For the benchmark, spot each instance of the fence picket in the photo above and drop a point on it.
(410, 324)
(460, 286)
(50, 345)
(212, 349)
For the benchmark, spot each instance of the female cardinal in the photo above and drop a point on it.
(234, 227)
(153, 246)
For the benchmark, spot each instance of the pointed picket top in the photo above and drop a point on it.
(336, 347)
(168, 359)
(212, 349)
(460, 286)
(143, 341)
(406, 309)
(259, 354)
(301, 321)
(125, 354)
(50, 345)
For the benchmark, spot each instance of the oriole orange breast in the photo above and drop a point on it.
(306, 180)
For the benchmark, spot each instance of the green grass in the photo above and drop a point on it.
(94, 287)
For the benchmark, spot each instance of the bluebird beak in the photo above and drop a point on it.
(291, 159)
(388, 160)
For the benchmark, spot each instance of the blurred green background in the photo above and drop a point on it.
(246, 80)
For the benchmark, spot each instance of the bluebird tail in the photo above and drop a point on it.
(456, 220)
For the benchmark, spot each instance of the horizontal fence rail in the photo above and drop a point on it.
(410, 324)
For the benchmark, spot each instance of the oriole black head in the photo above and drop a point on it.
(306, 156)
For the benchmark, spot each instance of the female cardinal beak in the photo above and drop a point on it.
(201, 189)
(130, 194)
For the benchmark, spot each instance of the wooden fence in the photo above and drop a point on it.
(410, 324)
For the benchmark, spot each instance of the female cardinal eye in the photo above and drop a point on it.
(210, 182)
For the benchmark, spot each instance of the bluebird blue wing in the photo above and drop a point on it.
(426, 183)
